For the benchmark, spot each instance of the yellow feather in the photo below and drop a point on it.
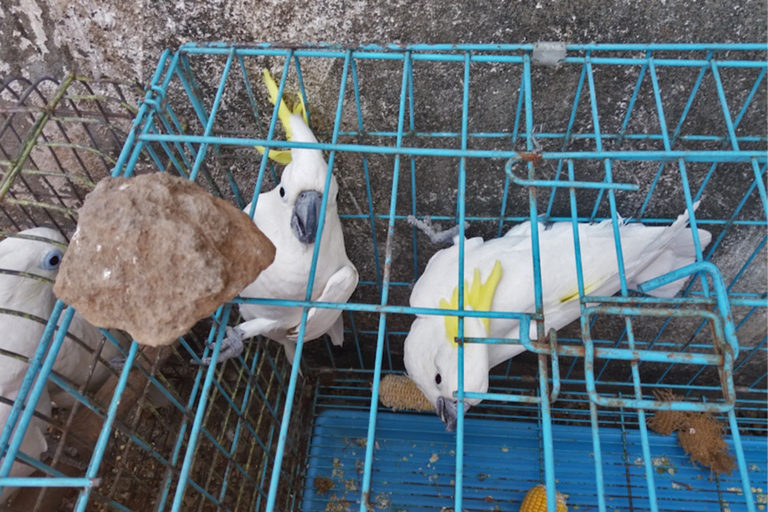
(284, 115)
(281, 157)
(283, 112)
(477, 294)
(300, 108)
(575, 295)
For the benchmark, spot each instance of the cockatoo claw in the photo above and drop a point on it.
(69, 455)
(117, 363)
(432, 231)
(231, 346)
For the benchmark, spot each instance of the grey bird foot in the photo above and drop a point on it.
(117, 363)
(231, 346)
(433, 230)
(68, 455)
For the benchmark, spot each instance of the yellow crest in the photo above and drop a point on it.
(477, 294)
(284, 114)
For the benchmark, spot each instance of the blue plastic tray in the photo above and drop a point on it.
(414, 466)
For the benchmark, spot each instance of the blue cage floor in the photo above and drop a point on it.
(415, 461)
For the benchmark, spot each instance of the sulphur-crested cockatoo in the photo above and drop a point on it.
(26, 301)
(499, 277)
(289, 216)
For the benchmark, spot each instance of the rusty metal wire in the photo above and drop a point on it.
(57, 140)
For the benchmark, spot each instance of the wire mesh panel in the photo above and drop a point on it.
(57, 140)
(484, 138)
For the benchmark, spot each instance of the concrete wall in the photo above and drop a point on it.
(122, 38)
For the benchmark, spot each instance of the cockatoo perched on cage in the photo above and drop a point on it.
(289, 215)
(499, 277)
(26, 302)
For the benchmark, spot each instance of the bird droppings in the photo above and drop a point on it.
(194, 252)
(434, 458)
(337, 471)
(323, 484)
(681, 485)
(337, 504)
(663, 465)
(483, 476)
(382, 501)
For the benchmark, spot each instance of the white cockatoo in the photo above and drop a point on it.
(289, 215)
(499, 277)
(26, 302)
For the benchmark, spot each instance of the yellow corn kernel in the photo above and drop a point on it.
(536, 500)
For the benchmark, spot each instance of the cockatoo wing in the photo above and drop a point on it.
(34, 443)
(440, 276)
(76, 358)
(338, 288)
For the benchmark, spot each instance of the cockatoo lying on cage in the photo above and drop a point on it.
(26, 301)
(289, 216)
(499, 277)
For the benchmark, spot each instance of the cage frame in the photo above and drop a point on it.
(715, 292)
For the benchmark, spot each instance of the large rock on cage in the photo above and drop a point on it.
(154, 254)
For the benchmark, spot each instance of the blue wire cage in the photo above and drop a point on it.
(488, 134)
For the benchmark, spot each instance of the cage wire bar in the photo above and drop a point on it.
(594, 385)
(58, 139)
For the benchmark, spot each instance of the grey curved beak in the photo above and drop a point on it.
(447, 411)
(305, 216)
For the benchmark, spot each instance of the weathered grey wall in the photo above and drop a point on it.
(122, 38)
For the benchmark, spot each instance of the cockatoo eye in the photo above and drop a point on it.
(51, 260)
(282, 191)
(438, 379)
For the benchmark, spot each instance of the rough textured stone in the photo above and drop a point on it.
(154, 254)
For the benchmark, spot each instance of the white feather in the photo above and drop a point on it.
(21, 334)
(287, 277)
(647, 252)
